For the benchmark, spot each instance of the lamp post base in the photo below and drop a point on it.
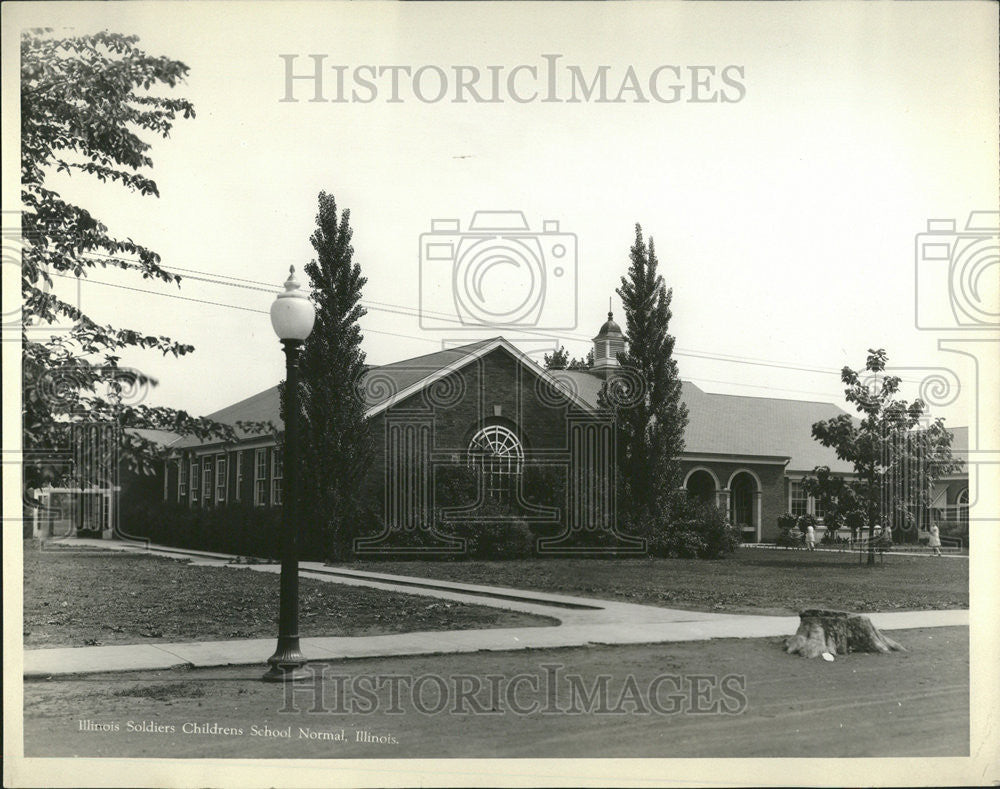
(288, 664)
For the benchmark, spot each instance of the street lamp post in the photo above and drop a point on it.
(292, 316)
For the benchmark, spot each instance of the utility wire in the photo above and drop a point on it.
(406, 336)
(397, 309)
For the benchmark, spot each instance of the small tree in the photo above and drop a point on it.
(896, 453)
(336, 443)
(645, 397)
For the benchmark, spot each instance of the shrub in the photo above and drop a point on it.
(792, 529)
(830, 537)
(681, 539)
(787, 521)
(235, 528)
(497, 540)
(695, 530)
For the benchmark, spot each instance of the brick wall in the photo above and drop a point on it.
(773, 488)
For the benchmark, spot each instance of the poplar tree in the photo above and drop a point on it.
(335, 440)
(645, 395)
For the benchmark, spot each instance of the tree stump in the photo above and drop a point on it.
(837, 632)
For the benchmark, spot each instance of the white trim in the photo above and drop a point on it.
(239, 475)
(275, 480)
(729, 485)
(721, 457)
(497, 342)
(210, 487)
(256, 499)
(811, 501)
(225, 482)
(718, 487)
(758, 495)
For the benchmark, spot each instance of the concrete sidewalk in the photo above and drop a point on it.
(204, 654)
(584, 621)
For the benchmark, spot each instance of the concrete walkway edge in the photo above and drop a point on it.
(583, 622)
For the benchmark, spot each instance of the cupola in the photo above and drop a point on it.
(608, 343)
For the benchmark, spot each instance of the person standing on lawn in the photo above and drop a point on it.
(935, 539)
(810, 538)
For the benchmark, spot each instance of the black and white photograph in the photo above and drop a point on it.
(501, 393)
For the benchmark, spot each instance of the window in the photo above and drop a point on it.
(239, 475)
(194, 480)
(277, 472)
(182, 472)
(799, 501)
(206, 479)
(260, 478)
(220, 478)
(498, 455)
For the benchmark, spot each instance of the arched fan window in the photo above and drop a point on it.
(497, 453)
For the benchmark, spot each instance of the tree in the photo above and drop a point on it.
(557, 360)
(897, 454)
(83, 101)
(582, 364)
(645, 396)
(335, 440)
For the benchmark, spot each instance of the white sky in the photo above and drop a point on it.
(785, 222)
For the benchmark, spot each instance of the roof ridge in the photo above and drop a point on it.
(241, 402)
(459, 348)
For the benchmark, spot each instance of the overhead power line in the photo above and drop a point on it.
(243, 283)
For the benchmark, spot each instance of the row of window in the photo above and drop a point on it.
(211, 472)
(801, 504)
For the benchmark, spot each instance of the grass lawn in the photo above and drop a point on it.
(750, 580)
(81, 598)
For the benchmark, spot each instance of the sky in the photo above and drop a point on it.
(785, 213)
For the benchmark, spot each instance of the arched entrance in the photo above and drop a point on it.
(743, 499)
(702, 486)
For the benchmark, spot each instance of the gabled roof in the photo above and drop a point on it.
(740, 425)
(718, 424)
(162, 438)
(381, 386)
(391, 383)
(262, 407)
